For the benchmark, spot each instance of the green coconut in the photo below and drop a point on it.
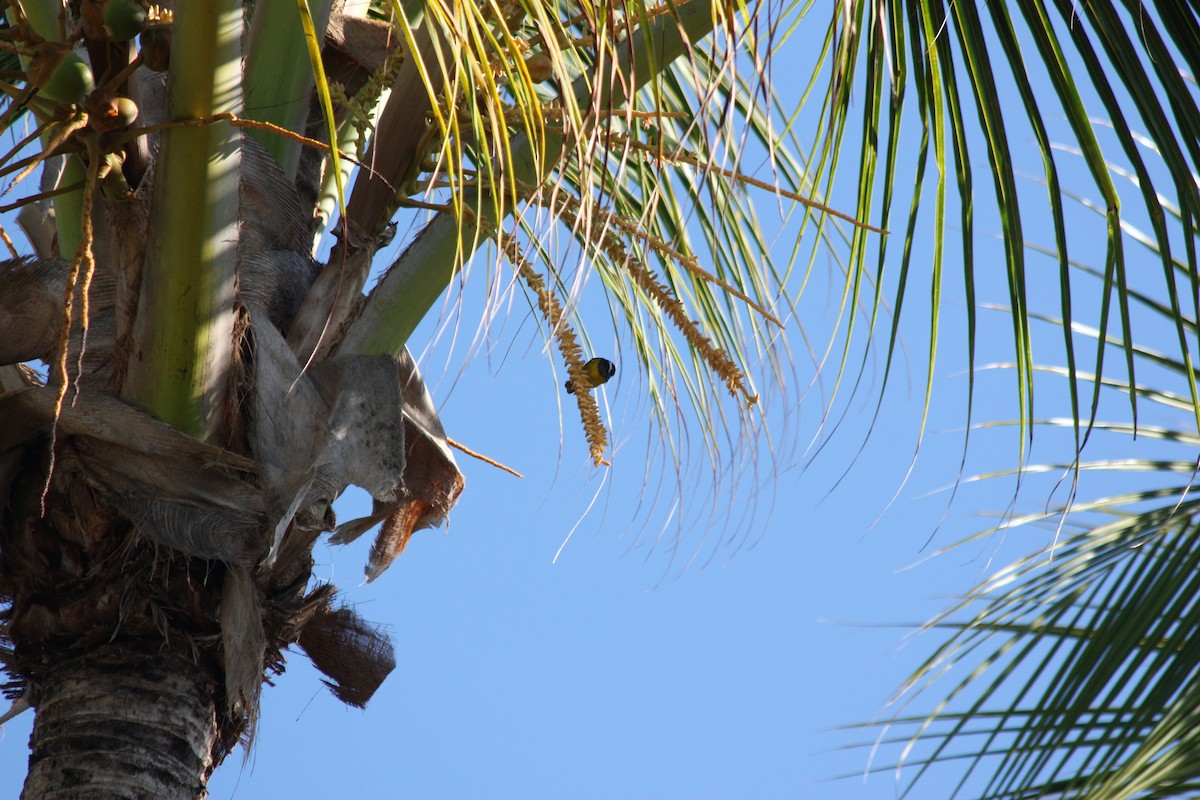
(124, 19)
(127, 112)
(70, 82)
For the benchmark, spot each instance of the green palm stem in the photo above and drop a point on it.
(184, 328)
(279, 77)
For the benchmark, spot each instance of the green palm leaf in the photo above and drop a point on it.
(1076, 664)
(959, 60)
(1080, 659)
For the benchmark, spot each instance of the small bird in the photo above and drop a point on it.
(598, 371)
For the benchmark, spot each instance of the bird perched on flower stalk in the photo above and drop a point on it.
(597, 371)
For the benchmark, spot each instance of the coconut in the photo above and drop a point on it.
(69, 81)
(124, 19)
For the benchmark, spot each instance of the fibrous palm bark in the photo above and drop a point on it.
(123, 721)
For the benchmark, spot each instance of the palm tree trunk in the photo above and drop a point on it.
(122, 722)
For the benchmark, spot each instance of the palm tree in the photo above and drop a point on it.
(184, 391)
(210, 389)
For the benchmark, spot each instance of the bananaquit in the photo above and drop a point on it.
(597, 371)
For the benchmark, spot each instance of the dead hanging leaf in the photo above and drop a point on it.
(364, 436)
(287, 427)
(243, 642)
(428, 488)
(317, 432)
(394, 535)
(352, 653)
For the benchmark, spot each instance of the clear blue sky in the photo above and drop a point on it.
(609, 673)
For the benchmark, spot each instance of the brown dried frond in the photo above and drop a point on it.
(353, 654)
(485, 459)
(568, 346)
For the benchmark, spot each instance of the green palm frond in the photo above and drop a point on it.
(951, 66)
(1080, 661)
(1083, 664)
(1072, 672)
